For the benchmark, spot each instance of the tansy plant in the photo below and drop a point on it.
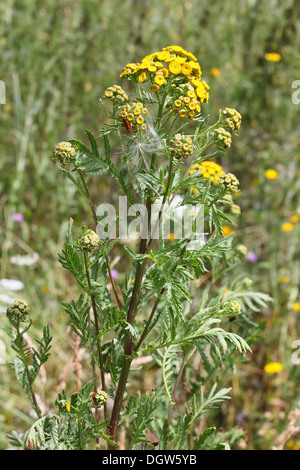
(158, 312)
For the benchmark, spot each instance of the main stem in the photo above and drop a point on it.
(127, 359)
(99, 346)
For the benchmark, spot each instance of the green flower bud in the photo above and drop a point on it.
(116, 94)
(223, 137)
(229, 182)
(181, 146)
(89, 241)
(99, 398)
(64, 151)
(235, 209)
(232, 309)
(18, 311)
(247, 282)
(242, 249)
(233, 119)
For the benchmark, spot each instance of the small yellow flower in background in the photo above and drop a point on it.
(273, 368)
(226, 230)
(287, 227)
(7, 108)
(273, 57)
(284, 279)
(255, 182)
(88, 86)
(294, 218)
(271, 174)
(296, 307)
(254, 123)
(292, 446)
(131, 282)
(171, 236)
(68, 406)
(46, 289)
(214, 72)
(225, 292)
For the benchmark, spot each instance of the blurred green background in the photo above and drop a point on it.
(57, 58)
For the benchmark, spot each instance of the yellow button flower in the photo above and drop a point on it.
(142, 77)
(186, 68)
(154, 87)
(226, 230)
(284, 279)
(215, 72)
(182, 113)
(273, 368)
(273, 57)
(175, 67)
(287, 227)
(159, 80)
(271, 174)
(296, 307)
(294, 218)
(200, 91)
(152, 68)
(163, 55)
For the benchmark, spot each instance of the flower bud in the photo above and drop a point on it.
(181, 146)
(223, 137)
(99, 398)
(231, 309)
(242, 249)
(116, 94)
(64, 151)
(18, 311)
(89, 241)
(229, 182)
(233, 119)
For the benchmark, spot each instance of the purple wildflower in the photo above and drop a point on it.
(114, 274)
(17, 217)
(252, 257)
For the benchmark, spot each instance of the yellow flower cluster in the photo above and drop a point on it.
(233, 118)
(116, 94)
(133, 114)
(174, 65)
(181, 146)
(209, 170)
(188, 103)
(223, 137)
